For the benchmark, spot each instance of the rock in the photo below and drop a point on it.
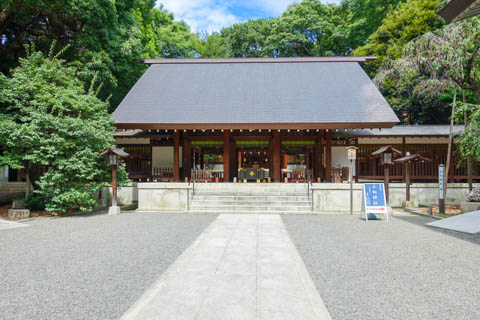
(470, 206)
(18, 204)
(474, 196)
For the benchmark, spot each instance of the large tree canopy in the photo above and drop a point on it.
(55, 130)
(107, 38)
(406, 22)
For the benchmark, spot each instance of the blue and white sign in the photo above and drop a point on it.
(375, 201)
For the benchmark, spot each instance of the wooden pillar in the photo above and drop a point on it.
(187, 157)
(318, 165)
(276, 156)
(357, 167)
(176, 156)
(451, 172)
(328, 156)
(404, 164)
(226, 156)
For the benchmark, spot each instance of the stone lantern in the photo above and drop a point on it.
(115, 156)
(386, 155)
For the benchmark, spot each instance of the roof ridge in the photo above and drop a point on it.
(258, 60)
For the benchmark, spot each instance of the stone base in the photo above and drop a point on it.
(408, 204)
(470, 206)
(113, 211)
(18, 213)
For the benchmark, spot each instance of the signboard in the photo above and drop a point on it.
(352, 153)
(441, 182)
(374, 199)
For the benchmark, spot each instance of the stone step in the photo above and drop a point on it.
(251, 193)
(252, 203)
(239, 207)
(307, 212)
(249, 198)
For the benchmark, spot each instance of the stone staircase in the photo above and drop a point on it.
(275, 198)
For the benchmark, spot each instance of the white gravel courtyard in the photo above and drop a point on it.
(396, 270)
(97, 266)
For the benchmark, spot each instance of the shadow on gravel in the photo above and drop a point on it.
(421, 221)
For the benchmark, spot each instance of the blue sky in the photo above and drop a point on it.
(212, 15)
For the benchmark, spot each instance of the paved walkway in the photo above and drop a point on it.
(5, 224)
(240, 267)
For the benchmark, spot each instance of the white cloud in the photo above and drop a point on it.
(201, 15)
(212, 15)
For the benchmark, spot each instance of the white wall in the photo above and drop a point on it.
(163, 157)
(380, 141)
(426, 140)
(408, 140)
(132, 141)
(339, 157)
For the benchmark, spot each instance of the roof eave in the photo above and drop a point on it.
(455, 10)
(254, 126)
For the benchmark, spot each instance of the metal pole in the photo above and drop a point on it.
(350, 177)
(441, 189)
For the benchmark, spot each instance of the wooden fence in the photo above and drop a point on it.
(371, 168)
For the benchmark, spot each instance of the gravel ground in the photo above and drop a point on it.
(91, 266)
(396, 270)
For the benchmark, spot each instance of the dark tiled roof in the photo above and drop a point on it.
(404, 130)
(457, 10)
(255, 93)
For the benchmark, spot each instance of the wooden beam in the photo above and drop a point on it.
(328, 156)
(176, 156)
(226, 156)
(404, 165)
(357, 167)
(276, 156)
(187, 157)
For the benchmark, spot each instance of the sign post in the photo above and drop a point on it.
(375, 200)
(352, 156)
(441, 189)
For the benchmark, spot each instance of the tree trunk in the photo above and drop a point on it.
(469, 158)
(450, 139)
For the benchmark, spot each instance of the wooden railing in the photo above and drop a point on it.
(162, 174)
(371, 168)
(297, 175)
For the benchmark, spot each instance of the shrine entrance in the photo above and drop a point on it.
(297, 161)
(254, 161)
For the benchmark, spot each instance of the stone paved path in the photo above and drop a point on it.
(240, 267)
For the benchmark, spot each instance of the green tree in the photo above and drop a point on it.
(361, 18)
(161, 36)
(305, 29)
(406, 22)
(247, 39)
(436, 62)
(211, 46)
(107, 38)
(55, 130)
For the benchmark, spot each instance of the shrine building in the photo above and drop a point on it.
(264, 120)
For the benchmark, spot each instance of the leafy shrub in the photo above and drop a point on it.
(36, 202)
